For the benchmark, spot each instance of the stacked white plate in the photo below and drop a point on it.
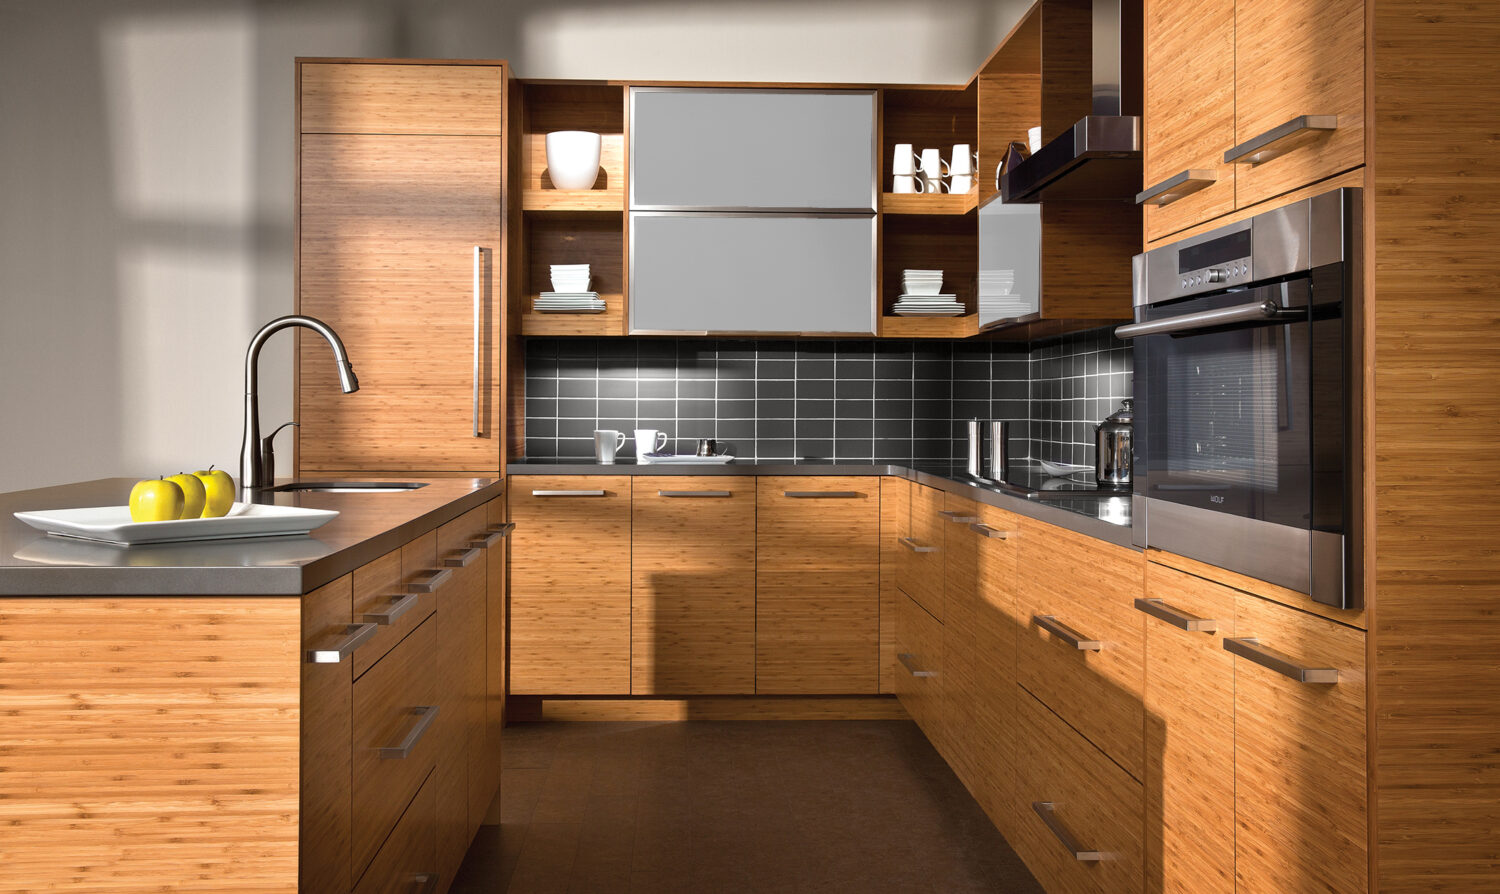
(570, 278)
(924, 296)
(995, 298)
(568, 303)
(921, 282)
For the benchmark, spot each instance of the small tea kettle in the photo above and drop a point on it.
(1113, 454)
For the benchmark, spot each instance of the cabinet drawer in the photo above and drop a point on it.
(895, 526)
(919, 665)
(1084, 589)
(920, 573)
(692, 590)
(460, 776)
(353, 97)
(395, 745)
(1189, 732)
(1080, 824)
(381, 597)
(960, 607)
(407, 862)
(996, 636)
(1299, 753)
(570, 585)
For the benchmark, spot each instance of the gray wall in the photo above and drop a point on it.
(146, 178)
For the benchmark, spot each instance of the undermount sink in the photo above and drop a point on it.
(350, 487)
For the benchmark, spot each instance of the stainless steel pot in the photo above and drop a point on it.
(1113, 456)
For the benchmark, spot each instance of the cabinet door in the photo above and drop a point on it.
(1294, 58)
(752, 273)
(325, 851)
(817, 585)
(920, 572)
(997, 627)
(1189, 115)
(895, 526)
(497, 583)
(960, 610)
(692, 591)
(1189, 733)
(1299, 754)
(919, 666)
(462, 793)
(752, 149)
(388, 227)
(570, 585)
(357, 97)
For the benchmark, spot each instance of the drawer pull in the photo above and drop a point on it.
(1044, 809)
(567, 493)
(398, 607)
(916, 547)
(425, 715)
(485, 540)
(424, 883)
(461, 558)
(909, 661)
(1065, 633)
(694, 493)
(988, 531)
(1250, 648)
(354, 636)
(959, 517)
(1263, 147)
(822, 494)
(1176, 186)
(503, 530)
(1176, 617)
(429, 580)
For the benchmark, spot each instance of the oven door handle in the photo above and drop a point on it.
(1256, 311)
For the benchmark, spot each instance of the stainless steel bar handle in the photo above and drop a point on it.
(1207, 319)
(352, 638)
(988, 531)
(425, 715)
(916, 547)
(1048, 812)
(567, 493)
(694, 493)
(1250, 649)
(909, 661)
(429, 580)
(1261, 147)
(1067, 634)
(1176, 186)
(1176, 616)
(478, 316)
(503, 529)
(959, 517)
(461, 558)
(399, 606)
(424, 883)
(822, 494)
(486, 540)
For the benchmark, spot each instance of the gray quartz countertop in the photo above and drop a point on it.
(369, 525)
(1103, 515)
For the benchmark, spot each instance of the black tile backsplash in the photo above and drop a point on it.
(856, 401)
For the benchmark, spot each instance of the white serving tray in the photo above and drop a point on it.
(688, 459)
(112, 524)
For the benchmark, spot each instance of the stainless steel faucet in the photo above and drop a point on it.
(253, 473)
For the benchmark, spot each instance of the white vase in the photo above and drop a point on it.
(573, 158)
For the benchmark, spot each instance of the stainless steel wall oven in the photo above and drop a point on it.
(1246, 425)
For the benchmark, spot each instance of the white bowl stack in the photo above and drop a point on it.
(570, 295)
(923, 296)
(995, 298)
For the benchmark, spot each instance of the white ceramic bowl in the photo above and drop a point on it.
(573, 158)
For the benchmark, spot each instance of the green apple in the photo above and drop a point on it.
(155, 499)
(193, 494)
(218, 492)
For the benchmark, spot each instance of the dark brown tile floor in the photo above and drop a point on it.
(701, 806)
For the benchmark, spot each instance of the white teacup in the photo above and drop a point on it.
(649, 440)
(961, 183)
(932, 185)
(606, 442)
(932, 165)
(905, 183)
(963, 161)
(904, 160)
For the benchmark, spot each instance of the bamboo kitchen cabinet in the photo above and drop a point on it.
(401, 220)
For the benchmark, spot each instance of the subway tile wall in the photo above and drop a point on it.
(854, 401)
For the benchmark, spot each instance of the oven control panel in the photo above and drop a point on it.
(1228, 274)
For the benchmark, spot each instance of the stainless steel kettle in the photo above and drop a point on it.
(1113, 455)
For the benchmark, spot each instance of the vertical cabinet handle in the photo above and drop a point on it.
(1176, 616)
(353, 637)
(1047, 811)
(1250, 649)
(478, 316)
(909, 661)
(429, 580)
(398, 607)
(425, 714)
(1067, 634)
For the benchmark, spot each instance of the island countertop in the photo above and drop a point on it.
(368, 526)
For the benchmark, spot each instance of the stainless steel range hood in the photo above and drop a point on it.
(1098, 158)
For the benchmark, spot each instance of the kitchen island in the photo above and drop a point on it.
(316, 712)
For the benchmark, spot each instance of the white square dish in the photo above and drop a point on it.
(112, 524)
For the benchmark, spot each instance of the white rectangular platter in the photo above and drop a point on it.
(112, 524)
(687, 459)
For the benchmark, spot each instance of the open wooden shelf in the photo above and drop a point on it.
(892, 326)
(908, 203)
(596, 239)
(597, 108)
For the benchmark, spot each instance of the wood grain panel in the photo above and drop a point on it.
(1259, 588)
(1086, 252)
(376, 586)
(920, 575)
(1010, 104)
(410, 853)
(594, 239)
(1090, 586)
(400, 99)
(325, 853)
(387, 231)
(1097, 802)
(895, 523)
(1067, 65)
(817, 586)
(942, 242)
(1189, 107)
(463, 793)
(497, 587)
(570, 587)
(1298, 57)
(692, 592)
(1299, 756)
(927, 119)
(997, 626)
(1189, 739)
(1355, 178)
(151, 742)
(920, 637)
(960, 617)
(384, 701)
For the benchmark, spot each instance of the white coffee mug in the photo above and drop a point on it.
(904, 160)
(932, 185)
(606, 442)
(963, 162)
(905, 183)
(649, 440)
(961, 183)
(933, 167)
(1034, 138)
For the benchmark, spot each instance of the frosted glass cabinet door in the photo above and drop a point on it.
(1010, 252)
(765, 150)
(723, 272)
